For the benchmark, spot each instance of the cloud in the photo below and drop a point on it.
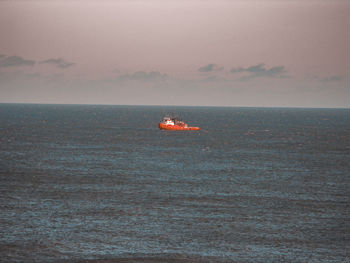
(144, 76)
(210, 68)
(331, 79)
(15, 61)
(260, 71)
(325, 79)
(58, 62)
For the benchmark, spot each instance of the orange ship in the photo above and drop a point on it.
(175, 125)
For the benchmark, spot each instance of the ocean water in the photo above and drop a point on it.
(84, 183)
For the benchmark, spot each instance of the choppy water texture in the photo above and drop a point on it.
(103, 183)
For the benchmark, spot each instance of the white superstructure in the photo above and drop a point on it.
(168, 121)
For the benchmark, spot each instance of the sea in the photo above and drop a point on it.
(99, 183)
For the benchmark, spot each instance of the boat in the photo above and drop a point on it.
(175, 125)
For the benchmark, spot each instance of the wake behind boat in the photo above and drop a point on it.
(176, 125)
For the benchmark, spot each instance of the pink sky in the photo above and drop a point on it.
(224, 53)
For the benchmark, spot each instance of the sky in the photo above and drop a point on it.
(266, 53)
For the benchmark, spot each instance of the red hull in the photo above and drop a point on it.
(163, 126)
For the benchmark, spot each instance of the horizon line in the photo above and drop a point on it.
(163, 105)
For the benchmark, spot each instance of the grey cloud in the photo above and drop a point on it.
(35, 75)
(261, 71)
(15, 61)
(210, 68)
(58, 62)
(144, 76)
(332, 79)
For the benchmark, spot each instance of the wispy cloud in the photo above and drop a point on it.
(58, 62)
(15, 61)
(210, 68)
(260, 71)
(144, 76)
(331, 79)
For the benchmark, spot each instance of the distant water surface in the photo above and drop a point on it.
(104, 183)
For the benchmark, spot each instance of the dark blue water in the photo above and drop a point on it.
(103, 183)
